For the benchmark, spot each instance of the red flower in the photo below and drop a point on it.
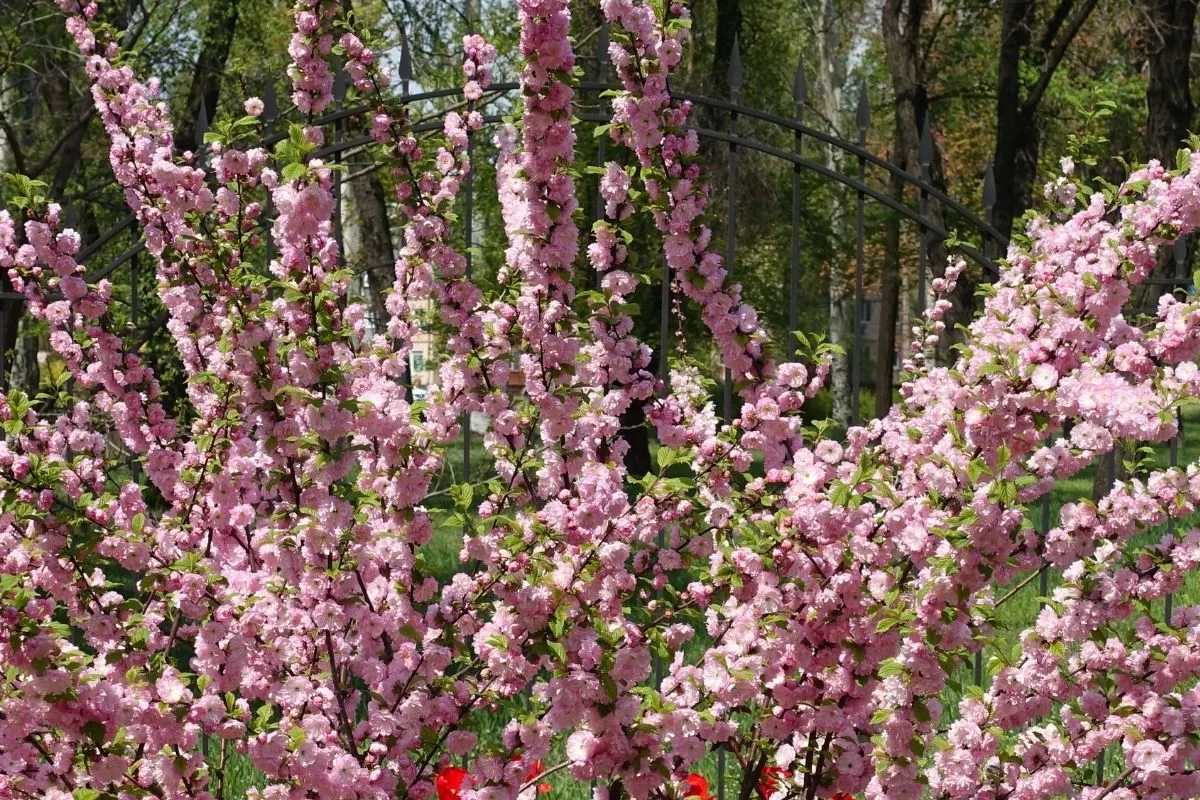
(768, 779)
(697, 786)
(842, 796)
(449, 782)
(535, 769)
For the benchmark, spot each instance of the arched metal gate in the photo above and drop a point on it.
(116, 250)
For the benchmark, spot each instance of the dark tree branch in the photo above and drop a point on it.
(14, 143)
(933, 34)
(215, 43)
(1061, 12)
(75, 131)
(1055, 57)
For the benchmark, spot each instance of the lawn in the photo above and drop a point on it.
(1017, 613)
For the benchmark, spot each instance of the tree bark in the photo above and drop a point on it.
(902, 43)
(1169, 107)
(831, 77)
(1018, 134)
(1170, 28)
(10, 310)
(26, 373)
(889, 306)
(902, 24)
(1014, 136)
(215, 43)
(367, 241)
(729, 27)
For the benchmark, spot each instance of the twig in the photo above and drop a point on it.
(545, 774)
(1009, 595)
(1116, 783)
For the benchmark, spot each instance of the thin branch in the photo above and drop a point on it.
(960, 95)
(1028, 580)
(1115, 784)
(14, 144)
(44, 162)
(933, 34)
(536, 779)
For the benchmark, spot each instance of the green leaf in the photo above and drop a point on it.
(840, 494)
(667, 456)
(293, 172)
(1003, 454)
(463, 494)
(295, 738)
(1004, 492)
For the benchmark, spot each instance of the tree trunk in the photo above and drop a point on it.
(26, 373)
(8, 94)
(215, 42)
(68, 159)
(831, 75)
(367, 241)
(729, 27)
(889, 305)
(1012, 130)
(1169, 106)
(1169, 112)
(902, 20)
(10, 310)
(1170, 28)
(1018, 134)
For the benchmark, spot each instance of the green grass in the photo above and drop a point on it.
(1017, 614)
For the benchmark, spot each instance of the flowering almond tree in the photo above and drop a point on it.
(261, 588)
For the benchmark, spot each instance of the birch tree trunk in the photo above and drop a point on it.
(831, 78)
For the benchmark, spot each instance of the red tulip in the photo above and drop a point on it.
(535, 769)
(768, 779)
(697, 786)
(449, 782)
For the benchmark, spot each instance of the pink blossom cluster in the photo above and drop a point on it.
(310, 47)
(654, 126)
(797, 602)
